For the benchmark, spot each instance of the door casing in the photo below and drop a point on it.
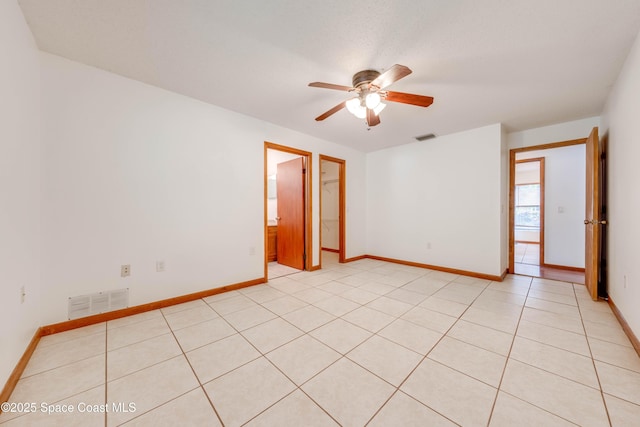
(341, 205)
(308, 198)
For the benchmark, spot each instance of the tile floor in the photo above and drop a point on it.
(278, 270)
(364, 343)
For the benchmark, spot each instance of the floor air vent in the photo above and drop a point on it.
(101, 302)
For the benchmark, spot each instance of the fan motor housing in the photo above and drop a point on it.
(364, 77)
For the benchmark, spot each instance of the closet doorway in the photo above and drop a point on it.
(332, 208)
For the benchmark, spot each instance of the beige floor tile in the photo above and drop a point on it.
(334, 287)
(599, 317)
(494, 295)
(555, 360)
(340, 335)
(425, 285)
(220, 357)
(512, 287)
(460, 398)
(390, 306)
(249, 317)
(190, 317)
(406, 296)
(388, 360)
(565, 398)
(403, 410)
(621, 412)
(609, 333)
(303, 358)
(411, 336)
(284, 305)
(568, 299)
(496, 306)
(429, 319)
(555, 286)
(312, 295)
(61, 383)
(476, 362)
(308, 318)
(184, 306)
(65, 352)
(510, 411)
(126, 360)
(245, 392)
(368, 318)
(348, 392)
(553, 307)
(203, 333)
(221, 296)
(614, 354)
(570, 341)
(190, 409)
(377, 288)
(571, 324)
(271, 334)
(619, 382)
(293, 411)
(287, 285)
(227, 306)
(500, 321)
(47, 416)
(337, 305)
(444, 306)
(136, 332)
(458, 294)
(359, 295)
(136, 318)
(72, 334)
(150, 388)
(264, 293)
(480, 336)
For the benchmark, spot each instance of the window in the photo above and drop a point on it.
(528, 206)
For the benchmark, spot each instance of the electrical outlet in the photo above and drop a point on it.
(159, 266)
(23, 294)
(625, 281)
(252, 250)
(125, 270)
(428, 245)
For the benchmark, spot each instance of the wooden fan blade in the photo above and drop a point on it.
(393, 74)
(331, 111)
(372, 118)
(331, 86)
(409, 98)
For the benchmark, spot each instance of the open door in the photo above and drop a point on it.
(291, 213)
(592, 220)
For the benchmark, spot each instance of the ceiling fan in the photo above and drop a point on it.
(368, 86)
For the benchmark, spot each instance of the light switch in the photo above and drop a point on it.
(560, 209)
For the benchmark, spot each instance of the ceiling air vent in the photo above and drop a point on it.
(101, 302)
(425, 137)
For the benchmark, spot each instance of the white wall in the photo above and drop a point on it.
(564, 203)
(439, 202)
(555, 133)
(135, 174)
(20, 152)
(620, 123)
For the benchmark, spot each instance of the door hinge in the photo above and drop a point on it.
(304, 171)
(304, 256)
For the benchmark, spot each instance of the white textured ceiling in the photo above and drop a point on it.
(524, 63)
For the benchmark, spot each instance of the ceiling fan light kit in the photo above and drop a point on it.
(368, 86)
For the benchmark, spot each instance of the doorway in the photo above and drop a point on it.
(332, 209)
(287, 210)
(561, 205)
(529, 215)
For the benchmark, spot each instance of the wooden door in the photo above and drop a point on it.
(592, 215)
(290, 184)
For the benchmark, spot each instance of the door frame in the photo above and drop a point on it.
(541, 182)
(308, 234)
(512, 174)
(342, 164)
